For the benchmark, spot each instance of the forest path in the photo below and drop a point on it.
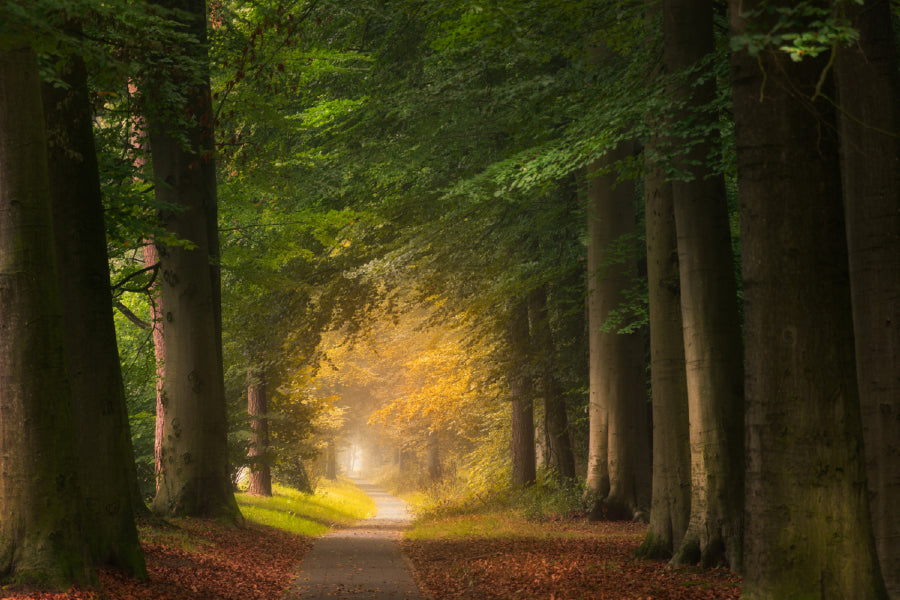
(362, 561)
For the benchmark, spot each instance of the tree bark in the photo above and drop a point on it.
(556, 422)
(670, 509)
(331, 466)
(157, 312)
(105, 454)
(257, 407)
(433, 451)
(618, 395)
(521, 391)
(710, 317)
(42, 529)
(868, 83)
(194, 476)
(808, 533)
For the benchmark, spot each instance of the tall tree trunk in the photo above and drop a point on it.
(712, 335)
(868, 83)
(42, 528)
(257, 407)
(157, 312)
(597, 477)
(670, 509)
(521, 392)
(808, 533)
(556, 422)
(618, 393)
(105, 454)
(194, 472)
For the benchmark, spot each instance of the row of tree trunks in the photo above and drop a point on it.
(808, 532)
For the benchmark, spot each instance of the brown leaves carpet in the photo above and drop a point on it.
(201, 560)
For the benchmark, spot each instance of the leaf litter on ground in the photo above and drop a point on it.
(568, 562)
(200, 560)
(205, 560)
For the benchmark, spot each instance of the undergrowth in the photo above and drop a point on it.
(548, 497)
(334, 503)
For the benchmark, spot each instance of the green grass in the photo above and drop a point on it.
(516, 523)
(334, 503)
(489, 525)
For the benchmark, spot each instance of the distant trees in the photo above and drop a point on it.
(258, 408)
(521, 396)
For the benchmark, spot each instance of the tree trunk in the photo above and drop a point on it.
(433, 450)
(808, 533)
(260, 466)
(42, 528)
(194, 472)
(105, 454)
(597, 478)
(618, 394)
(157, 312)
(869, 95)
(331, 468)
(670, 509)
(556, 422)
(712, 335)
(522, 395)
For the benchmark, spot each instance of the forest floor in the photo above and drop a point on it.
(495, 556)
(505, 557)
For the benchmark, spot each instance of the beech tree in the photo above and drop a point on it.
(556, 420)
(808, 531)
(42, 529)
(868, 88)
(194, 475)
(105, 454)
(709, 311)
(619, 447)
(670, 507)
(521, 393)
(257, 407)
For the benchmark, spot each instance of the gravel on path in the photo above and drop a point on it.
(362, 562)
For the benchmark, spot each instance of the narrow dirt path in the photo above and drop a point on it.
(362, 562)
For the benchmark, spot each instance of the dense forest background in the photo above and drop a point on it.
(641, 257)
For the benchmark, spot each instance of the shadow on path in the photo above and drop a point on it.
(363, 561)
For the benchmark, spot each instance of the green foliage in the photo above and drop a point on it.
(801, 30)
(393, 154)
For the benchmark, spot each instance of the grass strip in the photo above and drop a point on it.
(335, 503)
